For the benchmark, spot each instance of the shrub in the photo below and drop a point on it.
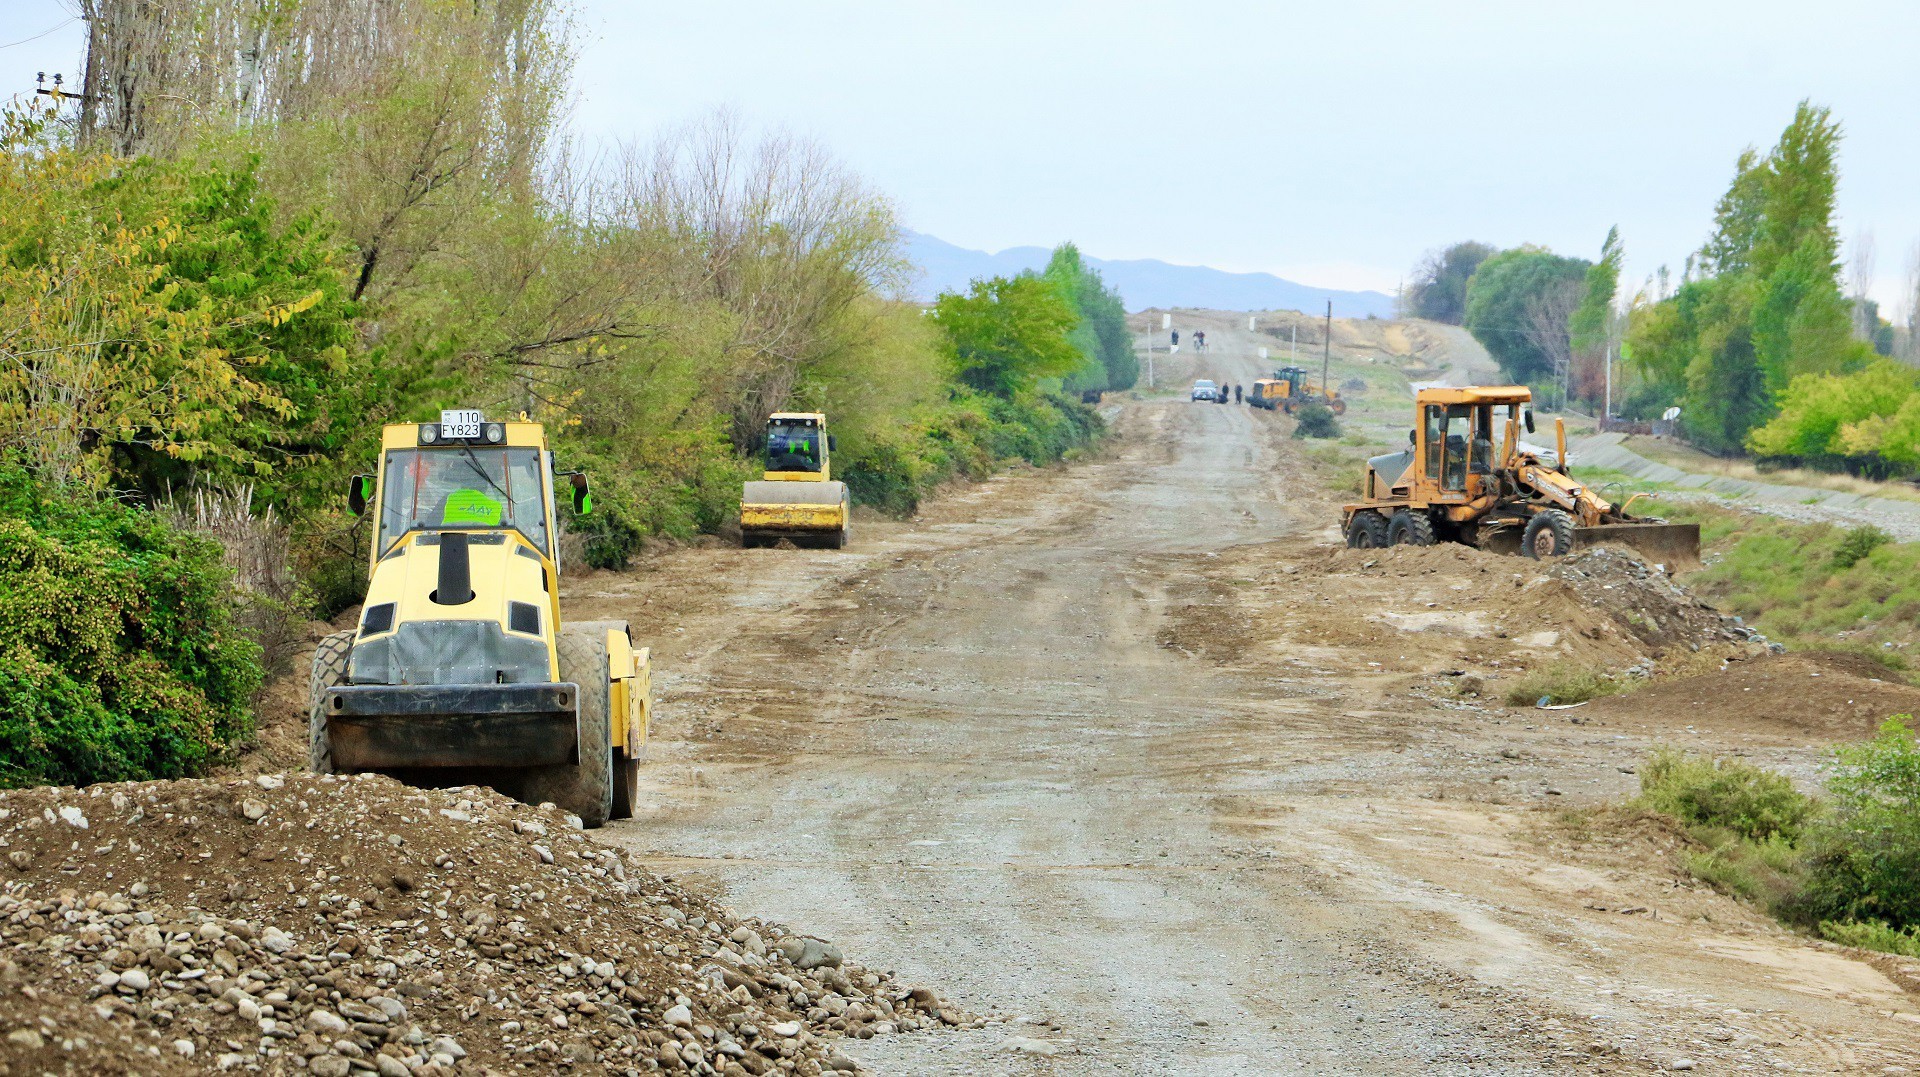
(1738, 797)
(119, 655)
(1873, 935)
(1316, 421)
(271, 605)
(1857, 544)
(1560, 683)
(1864, 861)
(1768, 873)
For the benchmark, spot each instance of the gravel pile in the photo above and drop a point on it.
(339, 926)
(1645, 601)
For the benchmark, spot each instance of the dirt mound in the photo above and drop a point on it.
(1596, 595)
(343, 925)
(1832, 696)
(1646, 601)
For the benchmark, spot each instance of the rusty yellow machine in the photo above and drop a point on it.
(797, 499)
(1467, 477)
(461, 670)
(1291, 390)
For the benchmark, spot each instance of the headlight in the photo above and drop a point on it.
(496, 433)
(429, 433)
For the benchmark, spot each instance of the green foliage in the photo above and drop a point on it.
(1747, 820)
(1872, 935)
(155, 323)
(1864, 859)
(1753, 803)
(1868, 420)
(1006, 334)
(1438, 290)
(964, 438)
(1726, 391)
(1858, 543)
(119, 659)
(1787, 580)
(1102, 334)
(1590, 326)
(1315, 421)
(1559, 683)
(1499, 298)
(1767, 311)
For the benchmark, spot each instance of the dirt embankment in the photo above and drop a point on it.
(1447, 610)
(351, 925)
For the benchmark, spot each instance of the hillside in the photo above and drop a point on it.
(1143, 283)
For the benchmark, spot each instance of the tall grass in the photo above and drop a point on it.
(1809, 586)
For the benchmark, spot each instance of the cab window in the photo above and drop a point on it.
(1435, 438)
(793, 448)
(463, 489)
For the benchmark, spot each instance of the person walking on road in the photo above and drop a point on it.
(1236, 392)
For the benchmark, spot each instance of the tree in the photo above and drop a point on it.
(1438, 290)
(1102, 334)
(1822, 414)
(1767, 293)
(155, 324)
(1726, 390)
(1005, 334)
(1590, 328)
(1517, 305)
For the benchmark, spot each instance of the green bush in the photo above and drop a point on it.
(1768, 873)
(1873, 935)
(1753, 803)
(1561, 683)
(119, 658)
(1857, 544)
(1316, 421)
(1864, 857)
(966, 437)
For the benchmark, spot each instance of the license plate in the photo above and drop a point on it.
(460, 423)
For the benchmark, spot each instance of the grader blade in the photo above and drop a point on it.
(1673, 545)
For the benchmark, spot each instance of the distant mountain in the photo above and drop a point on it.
(1142, 283)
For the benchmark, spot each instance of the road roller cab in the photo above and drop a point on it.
(461, 669)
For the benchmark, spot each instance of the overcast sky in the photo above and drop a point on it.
(1327, 143)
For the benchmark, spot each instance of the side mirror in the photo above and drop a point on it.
(833, 443)
(1527, 417)
(359, 490)
(1411, 439)
(582, 499)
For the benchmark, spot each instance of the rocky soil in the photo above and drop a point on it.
(354, 925)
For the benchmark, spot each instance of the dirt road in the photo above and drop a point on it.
(1125, 754)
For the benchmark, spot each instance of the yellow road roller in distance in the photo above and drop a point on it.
(797, 499)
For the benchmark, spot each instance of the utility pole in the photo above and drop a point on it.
(1326, 353)
(1293, 344)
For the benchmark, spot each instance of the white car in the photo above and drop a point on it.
(1206, 390)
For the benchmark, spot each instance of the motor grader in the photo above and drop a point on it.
(797, 499)
(1467, 477)
(1292, 390)
(461, 670)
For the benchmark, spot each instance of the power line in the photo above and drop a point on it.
(43, 33)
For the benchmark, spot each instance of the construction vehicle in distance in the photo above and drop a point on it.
(461, 671)
(797, 499)
(1296, 391)
(1467, 477)
(1268, 393)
